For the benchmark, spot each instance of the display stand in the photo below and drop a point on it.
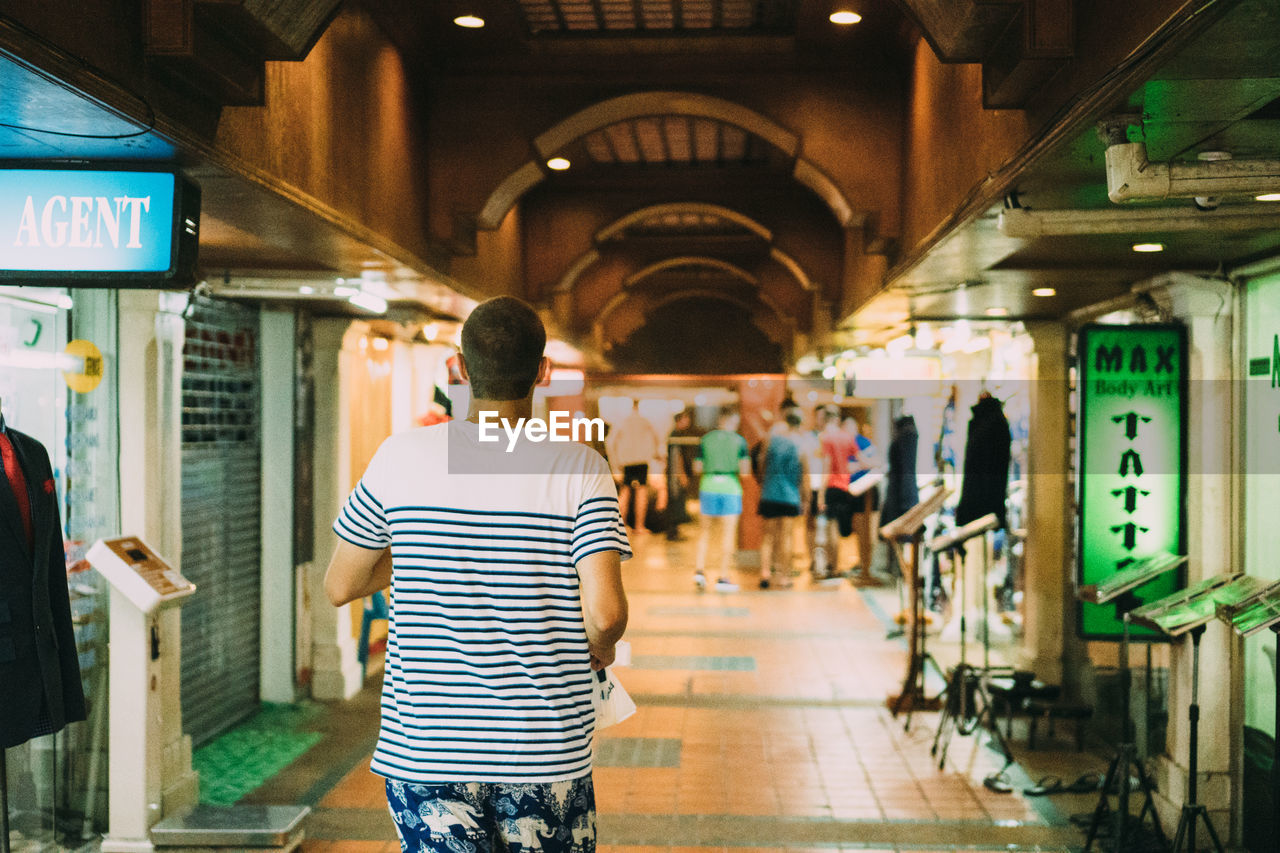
(1188, 613)
(911, 524)
(142, 817)
(1118, 590)
(968, 685)
(1260, 611)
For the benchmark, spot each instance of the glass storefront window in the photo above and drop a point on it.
(56, 786)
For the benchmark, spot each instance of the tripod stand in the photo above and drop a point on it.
(913, 692)
(1126, 757)
(910, 526)
(1192, 810)
(968, 704)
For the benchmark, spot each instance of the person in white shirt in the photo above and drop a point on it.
(504, 565)
(633, 446)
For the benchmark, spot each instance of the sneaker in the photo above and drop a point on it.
(726, 585)
(700, 580)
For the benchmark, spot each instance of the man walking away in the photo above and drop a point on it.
(632, 446)
(722, 463)
(505, 576)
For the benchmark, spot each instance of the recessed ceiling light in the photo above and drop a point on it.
(997, 312)
(558, 164)
(1147, 248)
(306, 290)
(1267, 197)
(470, 22)
(1044, 291)
(845, 17)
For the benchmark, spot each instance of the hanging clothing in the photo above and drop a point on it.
(986, 463)
(901, 491)
(39, 667)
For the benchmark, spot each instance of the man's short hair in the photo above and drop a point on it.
(793, 417)
(502, 344)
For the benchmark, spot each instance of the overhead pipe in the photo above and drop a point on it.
(1132, 177)
(1028, 224)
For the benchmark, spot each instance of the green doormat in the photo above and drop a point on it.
(239, 761)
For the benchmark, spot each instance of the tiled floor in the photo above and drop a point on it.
(770, 732)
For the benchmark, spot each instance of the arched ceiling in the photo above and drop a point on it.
(660, 253)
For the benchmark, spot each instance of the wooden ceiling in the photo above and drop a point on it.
(657, 16)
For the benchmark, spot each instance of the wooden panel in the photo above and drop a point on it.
(961, 30)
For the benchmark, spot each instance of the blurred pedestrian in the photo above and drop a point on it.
(866, 500)
(784, 486)
(722, 462)
(633, 446)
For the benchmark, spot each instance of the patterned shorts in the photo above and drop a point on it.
(480, 817)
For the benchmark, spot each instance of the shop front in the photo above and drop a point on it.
(1260, 358)
(73, 239)
(59, 385)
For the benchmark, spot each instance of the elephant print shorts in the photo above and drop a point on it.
(482, 817)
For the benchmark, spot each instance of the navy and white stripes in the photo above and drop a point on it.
(487, 674)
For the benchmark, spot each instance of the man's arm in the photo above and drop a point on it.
(356, 572)
(604, 604)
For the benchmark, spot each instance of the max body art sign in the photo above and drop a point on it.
(73, 221)
(1132, 446)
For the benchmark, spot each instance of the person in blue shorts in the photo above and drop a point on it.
(722, 462)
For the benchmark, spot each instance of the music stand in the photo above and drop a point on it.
(1189, 611)
(1118, 589)
(955, 711)
(911, 524)
(1260, 611)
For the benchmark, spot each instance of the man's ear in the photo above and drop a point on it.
(544, 371)
(462, 368)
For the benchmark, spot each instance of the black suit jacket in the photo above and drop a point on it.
(39, 669)
(987, 455)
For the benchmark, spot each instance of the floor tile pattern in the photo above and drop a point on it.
(793, 753)
(638, 752)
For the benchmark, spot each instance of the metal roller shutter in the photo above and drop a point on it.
(221, 533)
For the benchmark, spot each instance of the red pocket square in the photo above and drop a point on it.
(48, 487)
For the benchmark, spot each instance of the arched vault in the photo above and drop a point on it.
(644, 104)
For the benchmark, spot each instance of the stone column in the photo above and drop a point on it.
(335, 669)
(1049, 644)
(1213, 540)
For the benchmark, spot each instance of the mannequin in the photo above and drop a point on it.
(38, 663)
(986, 462)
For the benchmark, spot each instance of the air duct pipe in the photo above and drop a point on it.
(1028, 224)
(1132, 177)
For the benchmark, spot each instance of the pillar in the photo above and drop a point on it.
(150, 410)
(277, 355)
(1049, 644)
(335, 669)
(1206, 306)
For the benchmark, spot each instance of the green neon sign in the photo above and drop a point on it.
(1132, 478)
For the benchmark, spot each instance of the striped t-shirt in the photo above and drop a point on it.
(488, 675)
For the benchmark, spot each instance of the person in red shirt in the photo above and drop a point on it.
(834, 501)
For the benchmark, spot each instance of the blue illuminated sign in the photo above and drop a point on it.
(74, 221)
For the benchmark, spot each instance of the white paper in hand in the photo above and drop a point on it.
(612, 704)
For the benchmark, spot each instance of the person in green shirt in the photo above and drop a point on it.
(722, 462)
